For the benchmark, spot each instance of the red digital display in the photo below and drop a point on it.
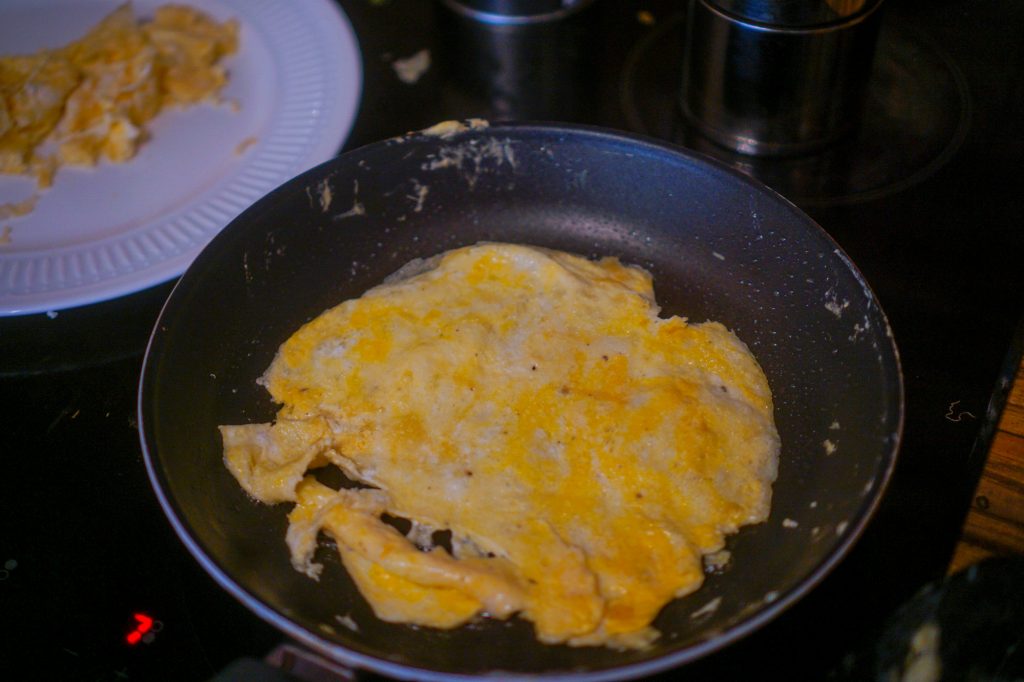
(145, 624)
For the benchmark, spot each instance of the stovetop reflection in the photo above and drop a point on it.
(917, 113)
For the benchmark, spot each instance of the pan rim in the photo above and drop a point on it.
(667, 661)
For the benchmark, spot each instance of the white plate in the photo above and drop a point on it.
(109, 231)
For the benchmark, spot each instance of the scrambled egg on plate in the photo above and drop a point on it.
(583, 452)
(91, 99)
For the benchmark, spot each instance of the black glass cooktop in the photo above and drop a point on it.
(925, 199)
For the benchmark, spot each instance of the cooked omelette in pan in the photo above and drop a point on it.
(583, 452)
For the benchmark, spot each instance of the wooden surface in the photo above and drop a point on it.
(995, 523)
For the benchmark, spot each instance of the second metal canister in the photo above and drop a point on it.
(776, 77)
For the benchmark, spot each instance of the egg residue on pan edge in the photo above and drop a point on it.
(583, 452)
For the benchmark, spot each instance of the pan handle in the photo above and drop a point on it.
(287, 663)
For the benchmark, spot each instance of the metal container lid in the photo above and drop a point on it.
(795, 13)
(516, 11)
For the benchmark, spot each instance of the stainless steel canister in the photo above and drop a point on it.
(776, 77)
(525, 59)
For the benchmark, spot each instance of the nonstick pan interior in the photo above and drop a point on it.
(719, 246)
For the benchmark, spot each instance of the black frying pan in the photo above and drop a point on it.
(719, 246)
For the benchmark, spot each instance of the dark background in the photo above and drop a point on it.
(84, 544)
